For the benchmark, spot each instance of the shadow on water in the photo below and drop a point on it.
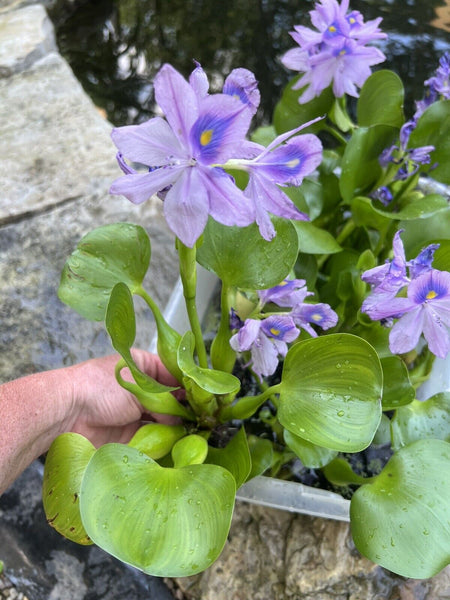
(115, 47)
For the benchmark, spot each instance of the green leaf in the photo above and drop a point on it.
(264, 135)
(364, 214)
(105, 256)
(311, 455)
(210, 380)
(156, 439)
(242, 258)
(166, 522)
(261, 454)
(433, 129)
(190, 450)
(235, 457)
(360, 165)
(420, 208)
(121, 325)
(381, 100)
(402, 519)
(419, 420)
(421, 232)
(330, 392)
(65, 464)
(339, 116)
(442, 256)
(339, 472)
(312, 240)
(397, 387)
(289, 114)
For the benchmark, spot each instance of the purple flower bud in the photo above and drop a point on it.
(383, 194)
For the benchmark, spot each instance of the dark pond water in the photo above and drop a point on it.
(115, 47)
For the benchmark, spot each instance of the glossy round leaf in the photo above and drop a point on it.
(235, 457)
(261, 454)
(330, 392)
(166, 522)
(156, 439)
(433, 128)
(313, 240)
(419, 420)
(190, 450)
(311, 455)
(402, 519)
(105, 256)
(381, 100)
(339, 472)
(242, 258)
(121, 325)
(420, 208)
(360, 164)
(397, 387)
(210, 380)
(289, 113)
(65, 465)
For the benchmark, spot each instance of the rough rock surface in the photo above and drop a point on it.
(274, 555)
(56, 166)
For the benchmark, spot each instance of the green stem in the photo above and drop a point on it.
(188, 273)
(223, 356)
(246, 407)
(335, 133)
(348, 228)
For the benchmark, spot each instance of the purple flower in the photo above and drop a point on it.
(266, 339)
(383, 194)
(280, 165)
(240, 83)
(320, 314)
(336, 53)
(425, 310)
(202, 135)
(288, 293)
(440, 82)
(182, 151)
(389, 278)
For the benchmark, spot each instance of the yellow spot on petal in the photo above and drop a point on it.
(274, 331)
(332, 29)
(206, 137)
(342, 52)
(316, 317)
(284, 282)
(431, 294)
(293, 163)
(352, 20)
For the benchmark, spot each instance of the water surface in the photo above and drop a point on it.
(115, 47)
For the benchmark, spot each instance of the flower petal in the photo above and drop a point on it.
(405, 334)
(227, 203)
(291, 162)
(242, 84)
(186, 207)
(435, 333)
(264, 356)
(245, 338)
(177, 100)
(220, 129)
(139, 187)
(151, 143)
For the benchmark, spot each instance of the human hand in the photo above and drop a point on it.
(105, 412)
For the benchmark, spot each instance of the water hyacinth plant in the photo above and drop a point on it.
(333, 258)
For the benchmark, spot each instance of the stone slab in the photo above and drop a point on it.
(37, 330)
(54, 145)
(275, 555)
(26, 35)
